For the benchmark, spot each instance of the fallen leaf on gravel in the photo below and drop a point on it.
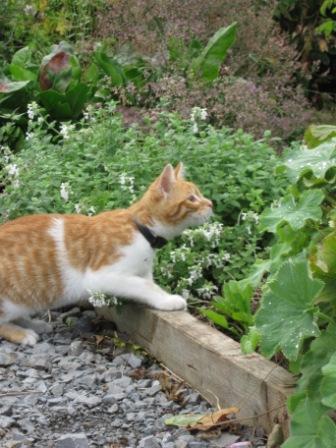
(172, 389)
(99, 339)
(201, 422)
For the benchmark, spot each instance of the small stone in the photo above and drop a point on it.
(150, 442)
(124, 381)
(72, 441)
(36, 362)
(134, 361)
(76, 348)
(7, 359)
(90, 401)
(156, 387)
(57, 389)
(113, 409)
(6, 422)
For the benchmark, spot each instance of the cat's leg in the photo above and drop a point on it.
(135, 288)
(14, 333)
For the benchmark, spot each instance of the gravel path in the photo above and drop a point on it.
(81, 386)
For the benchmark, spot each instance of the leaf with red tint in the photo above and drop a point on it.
(52, 66)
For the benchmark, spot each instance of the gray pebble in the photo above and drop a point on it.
(7, 359)
(72, 441)
(150, 442)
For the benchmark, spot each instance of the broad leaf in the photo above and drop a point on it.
(20, 73)
(317, 134)
(328, 384)
(250, 341)
(287, 316)
(22, 57)
(292, 211)
(7, 86)
(312, 162)
(311, 427)
(207, 65)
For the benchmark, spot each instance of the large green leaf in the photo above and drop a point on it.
(287, 315)
(20, 73)
(22, 57)
(77, 98)
(314, 163)
(317, 134)
(111, 67)
(328, 384)
(207, 65)
(311, 427)
(292, 211)
(7, 86)
(56, 104)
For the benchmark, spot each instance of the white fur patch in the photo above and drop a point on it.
(72, 278)
(12, 311)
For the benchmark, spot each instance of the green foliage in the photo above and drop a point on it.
(315, 135)
(208, 64)
(103, 165)
(297, 314)
(312, 26)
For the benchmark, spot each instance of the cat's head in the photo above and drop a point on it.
(174, 203)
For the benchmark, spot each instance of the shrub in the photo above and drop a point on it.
(297, 310)
(98, 165)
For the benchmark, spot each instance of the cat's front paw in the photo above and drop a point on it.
(172, 303)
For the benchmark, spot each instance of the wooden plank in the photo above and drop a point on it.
(210, 362)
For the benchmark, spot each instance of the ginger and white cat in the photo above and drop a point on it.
(52, 260)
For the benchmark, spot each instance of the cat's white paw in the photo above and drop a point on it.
(172, 303)
(30, 338)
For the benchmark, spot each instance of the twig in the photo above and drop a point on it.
(18, 393)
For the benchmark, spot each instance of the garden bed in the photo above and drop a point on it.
(211, 362)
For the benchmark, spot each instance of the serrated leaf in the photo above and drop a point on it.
(294, 212)
(286, 315)
(250, 341)
(314, 162)
(328, 384)
(311, 427)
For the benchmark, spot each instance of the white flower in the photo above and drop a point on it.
(91, 211)
(65, 191)
(127, 183)
(66, 129)
(32, 110)
(13, 169)
(78, 208)
(29, 10)
(332, 224)
(29, 135)
(99, 299)
(195, 128)
(198, 113)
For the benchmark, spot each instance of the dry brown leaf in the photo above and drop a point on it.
(99, 339)
(210, 421)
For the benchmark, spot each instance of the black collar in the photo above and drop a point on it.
(155, 241)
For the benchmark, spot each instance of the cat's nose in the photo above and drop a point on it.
(209, 203)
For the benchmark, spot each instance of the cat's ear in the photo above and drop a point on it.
(179, 171)
(167, 179)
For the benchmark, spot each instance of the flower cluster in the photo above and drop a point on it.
(66, 130)
(99, 299)
(65, 191)
(126, 183)
(197, 116)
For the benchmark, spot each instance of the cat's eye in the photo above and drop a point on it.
(192, 198)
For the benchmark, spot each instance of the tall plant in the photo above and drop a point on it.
(297, 314)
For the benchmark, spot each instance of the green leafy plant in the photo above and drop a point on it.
(207, 65)
(100, 164)
(297, 313)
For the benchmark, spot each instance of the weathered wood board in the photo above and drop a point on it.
(210, 362)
